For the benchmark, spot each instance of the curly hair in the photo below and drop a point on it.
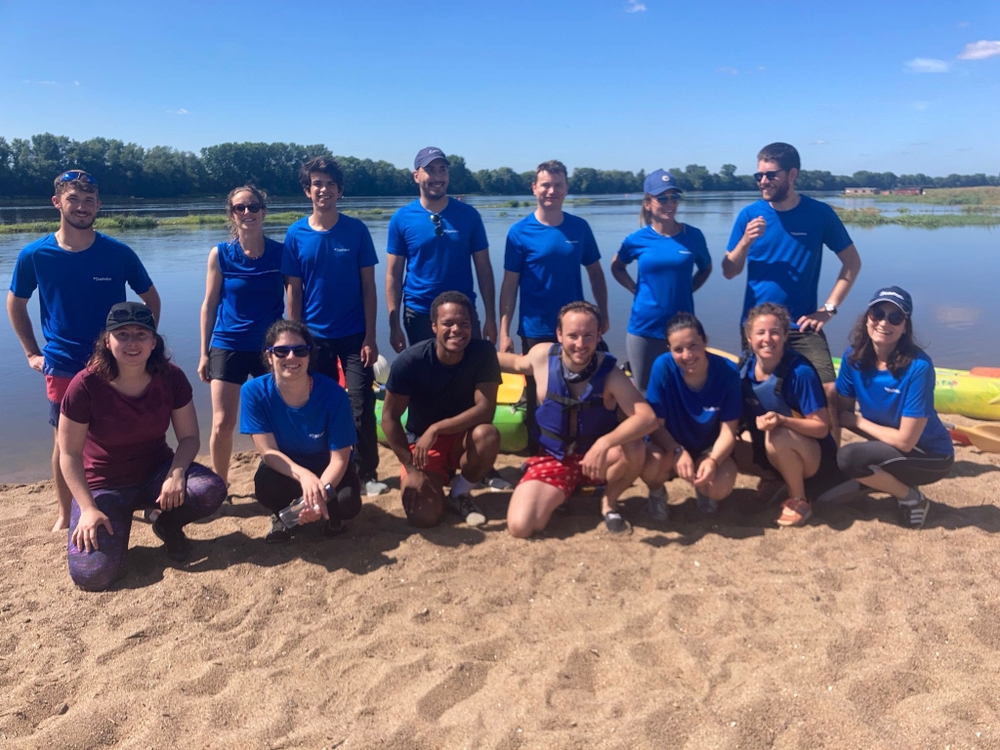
(767, 308)
(102, 362)
(580, 306)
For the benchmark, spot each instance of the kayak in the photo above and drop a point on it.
(508, 419)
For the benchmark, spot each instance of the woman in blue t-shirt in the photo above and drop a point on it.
(668, 252)
(303, 428)
(891, 380)
(786, 413)
(697, 395)
(243, 296)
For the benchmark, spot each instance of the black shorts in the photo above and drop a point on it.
(813, 346)
(234, 367)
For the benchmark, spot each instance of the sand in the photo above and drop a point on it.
(696, 633)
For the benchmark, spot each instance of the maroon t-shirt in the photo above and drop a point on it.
(126, 436)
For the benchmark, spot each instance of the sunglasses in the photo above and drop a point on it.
(758, 176)
(667, 198)
(438, 224)
(141, 315)
(895, 317)
(299, 350)
(253, 208)
(76, 175)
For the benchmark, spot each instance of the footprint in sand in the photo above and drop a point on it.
(462, 683)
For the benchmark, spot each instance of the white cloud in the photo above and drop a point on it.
(818, 143)
(76, 83)
(980, 50)
(961, 24)
(728, 70)
(927, 65)
(920, 106)
(180, 111)
(634, 6)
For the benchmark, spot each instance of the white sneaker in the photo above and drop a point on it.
(464, 506)
(374, 487)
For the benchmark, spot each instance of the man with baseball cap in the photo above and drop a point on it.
(437, 240)
(780, 240)
(79, 274)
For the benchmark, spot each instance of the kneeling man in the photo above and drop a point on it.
(580, 437)
(449, 384)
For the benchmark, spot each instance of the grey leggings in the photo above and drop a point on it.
(642, 351)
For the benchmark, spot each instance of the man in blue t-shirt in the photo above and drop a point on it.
(80, 274)
(329, 268)
(780, 240)
(437, 240)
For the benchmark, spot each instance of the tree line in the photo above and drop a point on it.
(28, 165)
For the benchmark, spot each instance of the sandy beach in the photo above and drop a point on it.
(724, 632)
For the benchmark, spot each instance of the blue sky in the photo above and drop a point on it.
(627, 84)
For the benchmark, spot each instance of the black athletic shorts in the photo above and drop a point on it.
(813, 346)
(234, 367)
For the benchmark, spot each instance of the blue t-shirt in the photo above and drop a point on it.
(329, 264)
(886, 399)
(694, 418)
(663, 284)
(75, 292)
(436, 264)
(548, 259)
(783, 264)
(307, 434)
(252, 296)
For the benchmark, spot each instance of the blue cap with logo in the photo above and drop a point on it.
(659, 182)
(897, 296)
(428, 154)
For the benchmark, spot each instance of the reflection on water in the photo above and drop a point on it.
(950, 273)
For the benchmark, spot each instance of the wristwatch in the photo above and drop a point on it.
(832, 309)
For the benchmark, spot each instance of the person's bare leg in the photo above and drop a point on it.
(723, 482)
(885, 482)
(795, 456)
(830, 389)
(531, 506)
(63, 496)
(658, 466)
(482, 444)
(225, 410)
(626, 463)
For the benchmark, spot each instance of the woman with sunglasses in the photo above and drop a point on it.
(114, 452)
(303, 428)
(891, 380)
(668, 252)
(244, 294)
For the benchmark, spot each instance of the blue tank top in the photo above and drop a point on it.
(252, 296)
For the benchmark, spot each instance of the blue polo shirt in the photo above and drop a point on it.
(307, 434)
(548, 260)
(885, 399)
(663, 284)
(75, 292)
(783, 265)
(694, 418)
(329, 264)
(252, 296)
(436, 263)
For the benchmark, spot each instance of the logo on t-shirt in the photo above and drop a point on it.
(799, 234)
(683, 252)
(572, 242)
(892, 390)
(103, 278)
(316, 435)
(711, 408)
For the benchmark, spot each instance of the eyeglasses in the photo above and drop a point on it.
(76, 174)
(241, 208)
(125, 336)
(438, 224)
(299, 350)
(758, 176)
(667, 198)
(140, 315)
(895, 317)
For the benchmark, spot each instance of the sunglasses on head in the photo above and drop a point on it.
(76, 174)
(141, 315)
(253, 208)
(895, 317)
(438, 224)
(667, 198)
(299, 350)
(758, 176)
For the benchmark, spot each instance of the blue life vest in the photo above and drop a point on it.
(566, 425)
(760, 398)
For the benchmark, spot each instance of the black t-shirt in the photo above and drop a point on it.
(438, 391)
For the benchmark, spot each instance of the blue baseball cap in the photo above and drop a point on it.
(659, 182)
(426, 155)
(897, 296)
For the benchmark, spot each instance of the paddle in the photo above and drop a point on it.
(984, 437)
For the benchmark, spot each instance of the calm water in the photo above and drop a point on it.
(950, 272)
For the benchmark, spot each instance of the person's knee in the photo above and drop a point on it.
(349, 502)
(224, 421)
(851, 461)
(519, 527)
(208, 490)
(423, 509)
(487, 439)
(93, 577)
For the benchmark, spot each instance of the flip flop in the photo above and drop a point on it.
(795, 511)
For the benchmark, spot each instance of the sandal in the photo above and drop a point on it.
(795, 511)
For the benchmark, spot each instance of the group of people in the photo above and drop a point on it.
(282, 323)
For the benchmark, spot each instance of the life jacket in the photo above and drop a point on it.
(566, 425)
(767, 394)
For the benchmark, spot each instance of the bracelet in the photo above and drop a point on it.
(678, 449)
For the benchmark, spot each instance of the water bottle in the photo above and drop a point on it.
(290, 515)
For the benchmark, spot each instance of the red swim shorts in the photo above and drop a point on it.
(444, 456)
(55, 387)
(564, 474)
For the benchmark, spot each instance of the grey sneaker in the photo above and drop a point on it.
(706, 505)
(464, 506)
(374, 487)
(656, 504)
(495, 483)
(913, 513)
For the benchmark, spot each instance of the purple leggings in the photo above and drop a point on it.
(98, 570)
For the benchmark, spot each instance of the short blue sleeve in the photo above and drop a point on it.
(254, 419)
(702, 259)
(366, 252)
(591, 253)
(732, 393)
(739, 226)
(478, 240)
(627, 252)
(397, 242)
(845, 381)
(23, 284)
(136, 275)
(656, 391)
(918, 397)
(513, 257)
(835, 235)
(290, 265)
(804, 390)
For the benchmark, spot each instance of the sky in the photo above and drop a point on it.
(611, 84)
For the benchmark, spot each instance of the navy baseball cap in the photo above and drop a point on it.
(659, 182)
(897, 296)
(426, 155)
(130, 314)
